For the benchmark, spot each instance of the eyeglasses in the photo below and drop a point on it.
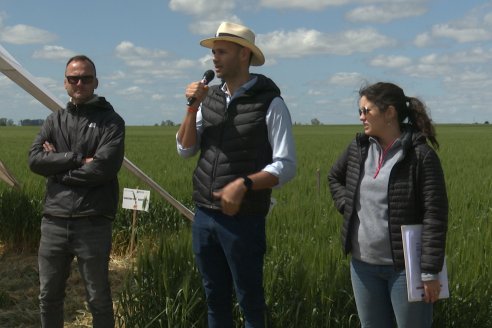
(364, 110)
(85, 79)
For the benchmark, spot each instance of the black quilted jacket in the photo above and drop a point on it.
(416, 195)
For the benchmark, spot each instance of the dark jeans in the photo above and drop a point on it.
(89, 239)
(229, 250)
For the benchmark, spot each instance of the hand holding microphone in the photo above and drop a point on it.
(195, 93)
(196, 90)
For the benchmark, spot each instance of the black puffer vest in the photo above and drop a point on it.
(234, 143)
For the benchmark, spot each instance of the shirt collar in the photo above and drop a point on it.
(242, 89)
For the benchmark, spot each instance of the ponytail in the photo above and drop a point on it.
(417, 116)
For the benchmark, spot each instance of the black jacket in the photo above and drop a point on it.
(74, 189)
(234, 143)
(416, 195)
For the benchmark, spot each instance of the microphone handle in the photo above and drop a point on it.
(191, 100)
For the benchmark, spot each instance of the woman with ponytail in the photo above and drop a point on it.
(390, 176)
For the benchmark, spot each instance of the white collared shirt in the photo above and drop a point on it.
(279, 127)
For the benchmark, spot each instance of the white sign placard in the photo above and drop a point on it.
(136, 199)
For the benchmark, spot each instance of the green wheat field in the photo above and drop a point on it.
(307, 281)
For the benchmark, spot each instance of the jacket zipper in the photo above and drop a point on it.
(389, 203)
(74, 146)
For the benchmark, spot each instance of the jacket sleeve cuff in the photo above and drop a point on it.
(77, 159)
(429, 276)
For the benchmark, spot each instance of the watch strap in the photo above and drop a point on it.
(248, 183)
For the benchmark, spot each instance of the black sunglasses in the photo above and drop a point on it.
(364, 110)
(85, 79)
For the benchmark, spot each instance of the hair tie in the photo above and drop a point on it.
(407, 101)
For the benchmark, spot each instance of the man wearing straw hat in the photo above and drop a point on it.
(243, 132)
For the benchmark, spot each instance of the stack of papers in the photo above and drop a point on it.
(412, 248)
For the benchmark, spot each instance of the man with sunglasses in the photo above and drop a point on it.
(79, 150)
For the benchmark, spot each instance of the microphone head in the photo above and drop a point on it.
(208, 76)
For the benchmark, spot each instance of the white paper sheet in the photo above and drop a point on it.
(412, 247)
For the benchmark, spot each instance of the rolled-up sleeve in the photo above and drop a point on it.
(191, 151)
(186, 152)
(280, 136)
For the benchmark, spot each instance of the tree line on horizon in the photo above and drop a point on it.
(38, 122)
(26, 122)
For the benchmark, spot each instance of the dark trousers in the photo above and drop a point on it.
(229, 252)
(89, 239)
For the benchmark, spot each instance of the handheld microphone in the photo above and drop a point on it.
(207, 77)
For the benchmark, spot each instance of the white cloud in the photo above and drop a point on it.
(24, 34)
(52, 84)
(184, 63)
(137, 56)
(158, 97)
(488, 19)
(390, 61)
(203, 8)
(465, 90)
(430, 66)
(208, 26)
(471, 79)
(131, 91)
(472, 56)
(302, 4)
(423, 40)
(53, 52)
(163, 70)
(208, 14)
(473, 27)
(303, 42)
(127, 49)
(435, 65)
(206, 61)
(346, 79)
(312, 92)
(115, 76)
(147, 65)
(385, 13)
(461, 34)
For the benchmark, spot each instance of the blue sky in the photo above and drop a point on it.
(319, 52)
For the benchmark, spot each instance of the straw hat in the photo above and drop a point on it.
(238, 34)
